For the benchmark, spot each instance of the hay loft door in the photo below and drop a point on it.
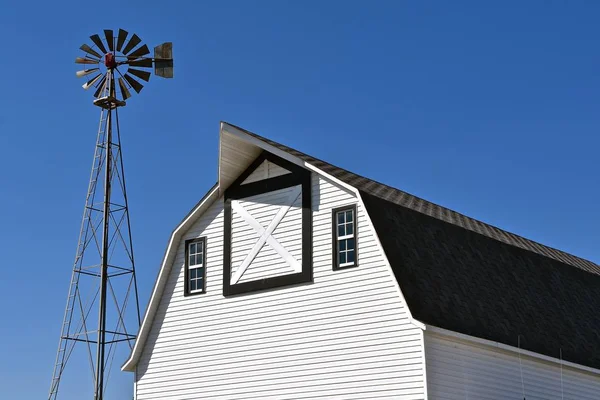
(268, 227)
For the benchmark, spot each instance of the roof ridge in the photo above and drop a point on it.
(423, 206)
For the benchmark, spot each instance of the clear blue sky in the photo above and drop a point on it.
(491, 110)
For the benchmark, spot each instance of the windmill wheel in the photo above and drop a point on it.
(119, 59)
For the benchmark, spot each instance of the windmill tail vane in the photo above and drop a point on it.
(103, 287)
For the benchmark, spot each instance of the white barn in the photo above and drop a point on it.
(295, 279)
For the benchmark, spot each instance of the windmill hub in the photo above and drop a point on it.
(109, 60)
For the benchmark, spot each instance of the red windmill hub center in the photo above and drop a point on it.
(109, 60)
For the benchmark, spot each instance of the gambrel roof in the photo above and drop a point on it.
(464, 275)
(455, 272)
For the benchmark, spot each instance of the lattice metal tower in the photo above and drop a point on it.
(103, 283)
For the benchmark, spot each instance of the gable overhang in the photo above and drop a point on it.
(237, 150)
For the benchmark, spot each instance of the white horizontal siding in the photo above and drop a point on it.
(457, 370)
(346, 335)
(265, 170)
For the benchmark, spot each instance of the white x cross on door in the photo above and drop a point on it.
(263, 233)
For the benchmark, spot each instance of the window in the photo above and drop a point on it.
(344, 237)
(195, 266)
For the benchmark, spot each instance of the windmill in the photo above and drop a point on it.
(103, 282)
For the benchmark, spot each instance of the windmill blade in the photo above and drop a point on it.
(139, 73)
(98, 42)
(101, 85)
(141, 62)
(108, 34)
(89, 83)
(121, 38)
(134, 84)
(142, 51)
(81, 60)
(86, 72)
(134, 41)
(124, 91)
(104, 77)
(91, 51)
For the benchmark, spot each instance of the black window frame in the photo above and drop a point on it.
(187, 291)
(334, 234)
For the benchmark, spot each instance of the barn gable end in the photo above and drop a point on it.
(324, 332)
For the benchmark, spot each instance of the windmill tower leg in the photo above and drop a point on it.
(98, 390)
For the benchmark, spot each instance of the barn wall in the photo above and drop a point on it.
(346, 335)
(459, 370)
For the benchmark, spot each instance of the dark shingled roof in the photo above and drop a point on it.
(461, 274)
